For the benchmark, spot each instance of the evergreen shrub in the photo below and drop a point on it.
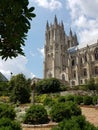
(61, 111)
(36, 114)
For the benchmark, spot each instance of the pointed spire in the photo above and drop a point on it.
(62, 24)
(75, 37)
(47, 26)
(55, 20)
(71, 32)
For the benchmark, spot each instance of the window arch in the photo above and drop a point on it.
(85, 72)
(73, 62)
(96, 53)
(63, 77)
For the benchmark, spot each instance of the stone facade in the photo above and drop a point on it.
(63, 59)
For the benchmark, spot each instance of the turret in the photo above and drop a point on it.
(62, 25)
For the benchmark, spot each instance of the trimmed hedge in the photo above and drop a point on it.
(36, 114)
(61, 111)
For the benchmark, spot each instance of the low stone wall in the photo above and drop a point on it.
(39, 127)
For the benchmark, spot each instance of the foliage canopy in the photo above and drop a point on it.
(15, 16)
(48, 86)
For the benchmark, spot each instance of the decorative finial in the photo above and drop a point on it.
(55, 20)
(70, 32)
(47, 25)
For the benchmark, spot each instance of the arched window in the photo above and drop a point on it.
(73, 83)
(96, 69)
(74, 74)
(85, 72)
(63, 77)
(73, 62)
(96, 54)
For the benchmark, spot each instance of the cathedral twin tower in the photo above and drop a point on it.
(62, 58)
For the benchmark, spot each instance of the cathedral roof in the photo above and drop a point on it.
(72, 49)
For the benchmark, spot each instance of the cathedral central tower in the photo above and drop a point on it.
(55, 64)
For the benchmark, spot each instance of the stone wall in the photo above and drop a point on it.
(38, 127)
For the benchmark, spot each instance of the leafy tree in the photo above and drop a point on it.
(15, 16)
(7, 111)
(20, 89)
(48, 86)
(36, 114)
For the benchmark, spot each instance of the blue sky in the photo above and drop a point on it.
(80, 15)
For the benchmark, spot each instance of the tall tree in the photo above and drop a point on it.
(15, 16)
(20, 89)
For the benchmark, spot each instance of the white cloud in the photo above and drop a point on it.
(16, 66)
(84, 19)
(32, 54)
(49, 4)
(41, 50)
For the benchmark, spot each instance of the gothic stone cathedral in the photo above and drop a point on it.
(63, 59)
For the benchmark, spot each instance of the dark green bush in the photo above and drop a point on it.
(61, 111)
(48, 86)
(36, 114)
(7, 111)
(61, 99)
(95, 100)
(8, 124)
(48, 101)
(75, 123)
(69, 98)
(87, 100)
(63, 87)
(78, 99)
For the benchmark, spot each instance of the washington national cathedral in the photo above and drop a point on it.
(63, 59)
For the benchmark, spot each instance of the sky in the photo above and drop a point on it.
(79, 15)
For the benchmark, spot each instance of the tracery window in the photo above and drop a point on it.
(85, 72)
(96, 54)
